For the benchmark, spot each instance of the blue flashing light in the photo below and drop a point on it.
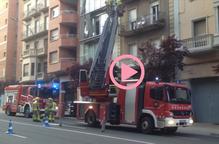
(39, 86)
(55, 86)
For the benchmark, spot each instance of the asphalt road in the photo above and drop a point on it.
(27, 132)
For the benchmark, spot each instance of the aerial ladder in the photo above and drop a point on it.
(98, 83)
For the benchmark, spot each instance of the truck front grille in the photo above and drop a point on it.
(181, 113)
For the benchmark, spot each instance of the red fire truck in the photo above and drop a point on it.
(151, 105)
(19, 99)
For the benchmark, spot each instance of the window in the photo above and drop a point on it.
(132, 17)
(45, 67)
(200, 27)
(154, 11)
(26, 70)
(28, 8)
(4, 54)
(32, 69)
(157, 93)
(28, 31)
(39, 68)
(27, 47)
(54, 35)
(45, 43)
(55, 12)
(217, 17)
(36, 44)
(53, 57)
(37, 26)
(46, 24)
(6, 21)
(25, 91)
(5, 38)
(6, 5)
(133, 49)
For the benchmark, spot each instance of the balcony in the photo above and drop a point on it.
(68, 40)
(143, 24)
(69, 17)
(71, 2)
(42, 51)
(29, 53)
(66, 63)
(200, 44)
(35, 11)
(35, 33)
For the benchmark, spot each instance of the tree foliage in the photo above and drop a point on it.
(74, 70)
(163, 61)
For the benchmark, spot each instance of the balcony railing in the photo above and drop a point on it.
(66, 36)
(69, 16)
(199, 44)
(66, 63)
(35, 10)
(143, 23)
(31, 32)
(29, 52)
(68, 40)
(42, 51)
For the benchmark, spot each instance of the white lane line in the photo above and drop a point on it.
(105, 136)
(19, 136)
(86, 133)
(26, 124)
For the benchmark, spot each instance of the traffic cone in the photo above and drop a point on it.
(46, 122)
(10, 128)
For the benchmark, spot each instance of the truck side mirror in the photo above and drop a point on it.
(83, 76)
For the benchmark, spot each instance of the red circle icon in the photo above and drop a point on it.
(126, 71)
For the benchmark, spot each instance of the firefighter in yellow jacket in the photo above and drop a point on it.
(51, 109)
(36, 110)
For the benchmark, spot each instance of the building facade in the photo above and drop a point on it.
(197, 25)
(8, 42)
(63, 39)
(143, 20)
(35, 40)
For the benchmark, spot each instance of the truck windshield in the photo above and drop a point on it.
(178, 95)
(44, 92)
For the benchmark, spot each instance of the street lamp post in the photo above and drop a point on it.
(35, 53)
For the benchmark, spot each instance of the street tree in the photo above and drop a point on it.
(163, 61)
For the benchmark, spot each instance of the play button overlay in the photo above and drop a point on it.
(126, 71)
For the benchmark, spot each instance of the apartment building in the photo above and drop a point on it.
(8, 43)
(143, 20)
(197, 25)
(35, 40)
(92, 19)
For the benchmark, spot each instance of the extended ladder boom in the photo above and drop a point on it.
(99, 68)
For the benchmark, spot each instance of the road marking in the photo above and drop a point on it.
(105, 136)
(19, 136)
(86, 133)
(33, 125)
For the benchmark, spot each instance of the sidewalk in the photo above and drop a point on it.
(1, 110)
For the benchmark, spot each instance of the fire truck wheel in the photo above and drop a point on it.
(170, 130)
(147, 125)
(27, 112)
(91, 118)
(9, 113)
